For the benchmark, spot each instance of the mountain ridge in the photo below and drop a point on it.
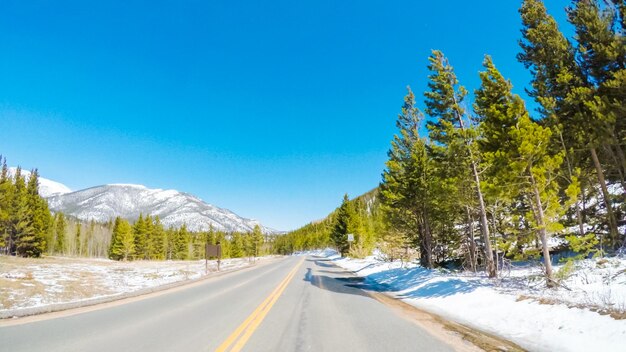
(47, 187)
(174, 208)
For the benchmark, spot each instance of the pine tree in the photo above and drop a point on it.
(22, 234)
(39, 213)
(533, 162)
(122, 241)
(257, 240)
(405, 190)
(520, 151)
(170, 243)
(565, 93)
(601, 54)
(78, 239)
(236, 245)
(59, 231)
(339, 234)
(453, 148)
(181, 243)
(6, 200)
(141, 237)
(149, 251)
(248, 245)
(159, 239)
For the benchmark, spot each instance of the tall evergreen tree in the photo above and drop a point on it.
(453, 135)
(122, 241)
(159, 239)
(149, 248)
(40, 218)
(405, 192)
(344, 224)
(59, 231)
(564, 91)
(6, 195)
(22, 236)
(181, 243)
(257, 240)
(519, 148)
(78, 239)
(140, 233)
(236, 245)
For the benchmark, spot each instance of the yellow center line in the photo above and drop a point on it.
(244, 331)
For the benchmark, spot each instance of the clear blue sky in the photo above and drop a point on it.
(272, 109)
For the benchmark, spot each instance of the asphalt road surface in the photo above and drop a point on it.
(295, 304)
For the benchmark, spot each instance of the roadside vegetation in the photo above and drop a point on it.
(475, 181)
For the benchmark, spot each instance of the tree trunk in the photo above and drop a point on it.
(620, 153)
(613, 235)
(611, 153)
(426, 250)
(539, 217)
(495, 242)
(471, 242)
(484, 226)
(581, 227)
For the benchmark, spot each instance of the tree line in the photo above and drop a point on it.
(25, 220)
(29, 229)
(147, 239)
(361, 217)
(474, 182)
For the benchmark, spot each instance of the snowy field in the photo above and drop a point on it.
(26, 283)
(517, 306)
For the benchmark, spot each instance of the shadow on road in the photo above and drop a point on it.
(334, 284)
(393, 280)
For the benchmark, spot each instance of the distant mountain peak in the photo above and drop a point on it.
(174, 208)
(126, 185)
(47, 188)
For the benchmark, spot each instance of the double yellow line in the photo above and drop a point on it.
(242, 334)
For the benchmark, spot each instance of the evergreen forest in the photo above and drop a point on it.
(475, 179)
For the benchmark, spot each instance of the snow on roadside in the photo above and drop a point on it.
(512, 307)
(26, 283)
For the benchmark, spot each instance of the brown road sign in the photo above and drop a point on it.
(214, 250)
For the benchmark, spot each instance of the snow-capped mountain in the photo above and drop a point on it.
(47, 188)
(128, 201)
(174, 208)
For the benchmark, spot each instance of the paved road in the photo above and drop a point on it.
(296, 304)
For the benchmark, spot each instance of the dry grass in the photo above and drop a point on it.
(618, 313)
(29, 282)
(25, 282)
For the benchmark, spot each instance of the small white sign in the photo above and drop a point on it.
(350, 237)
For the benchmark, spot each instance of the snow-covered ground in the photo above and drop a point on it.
(27, 283)
(517, 306)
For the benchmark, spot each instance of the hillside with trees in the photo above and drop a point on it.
(474, 179)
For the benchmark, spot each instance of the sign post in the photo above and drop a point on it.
(350, 240)
(214, 250)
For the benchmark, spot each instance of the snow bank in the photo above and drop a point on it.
(513, 307)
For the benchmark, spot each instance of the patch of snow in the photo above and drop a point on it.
(54, 280)
(509, 307)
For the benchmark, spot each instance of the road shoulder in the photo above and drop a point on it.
(458, 336)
